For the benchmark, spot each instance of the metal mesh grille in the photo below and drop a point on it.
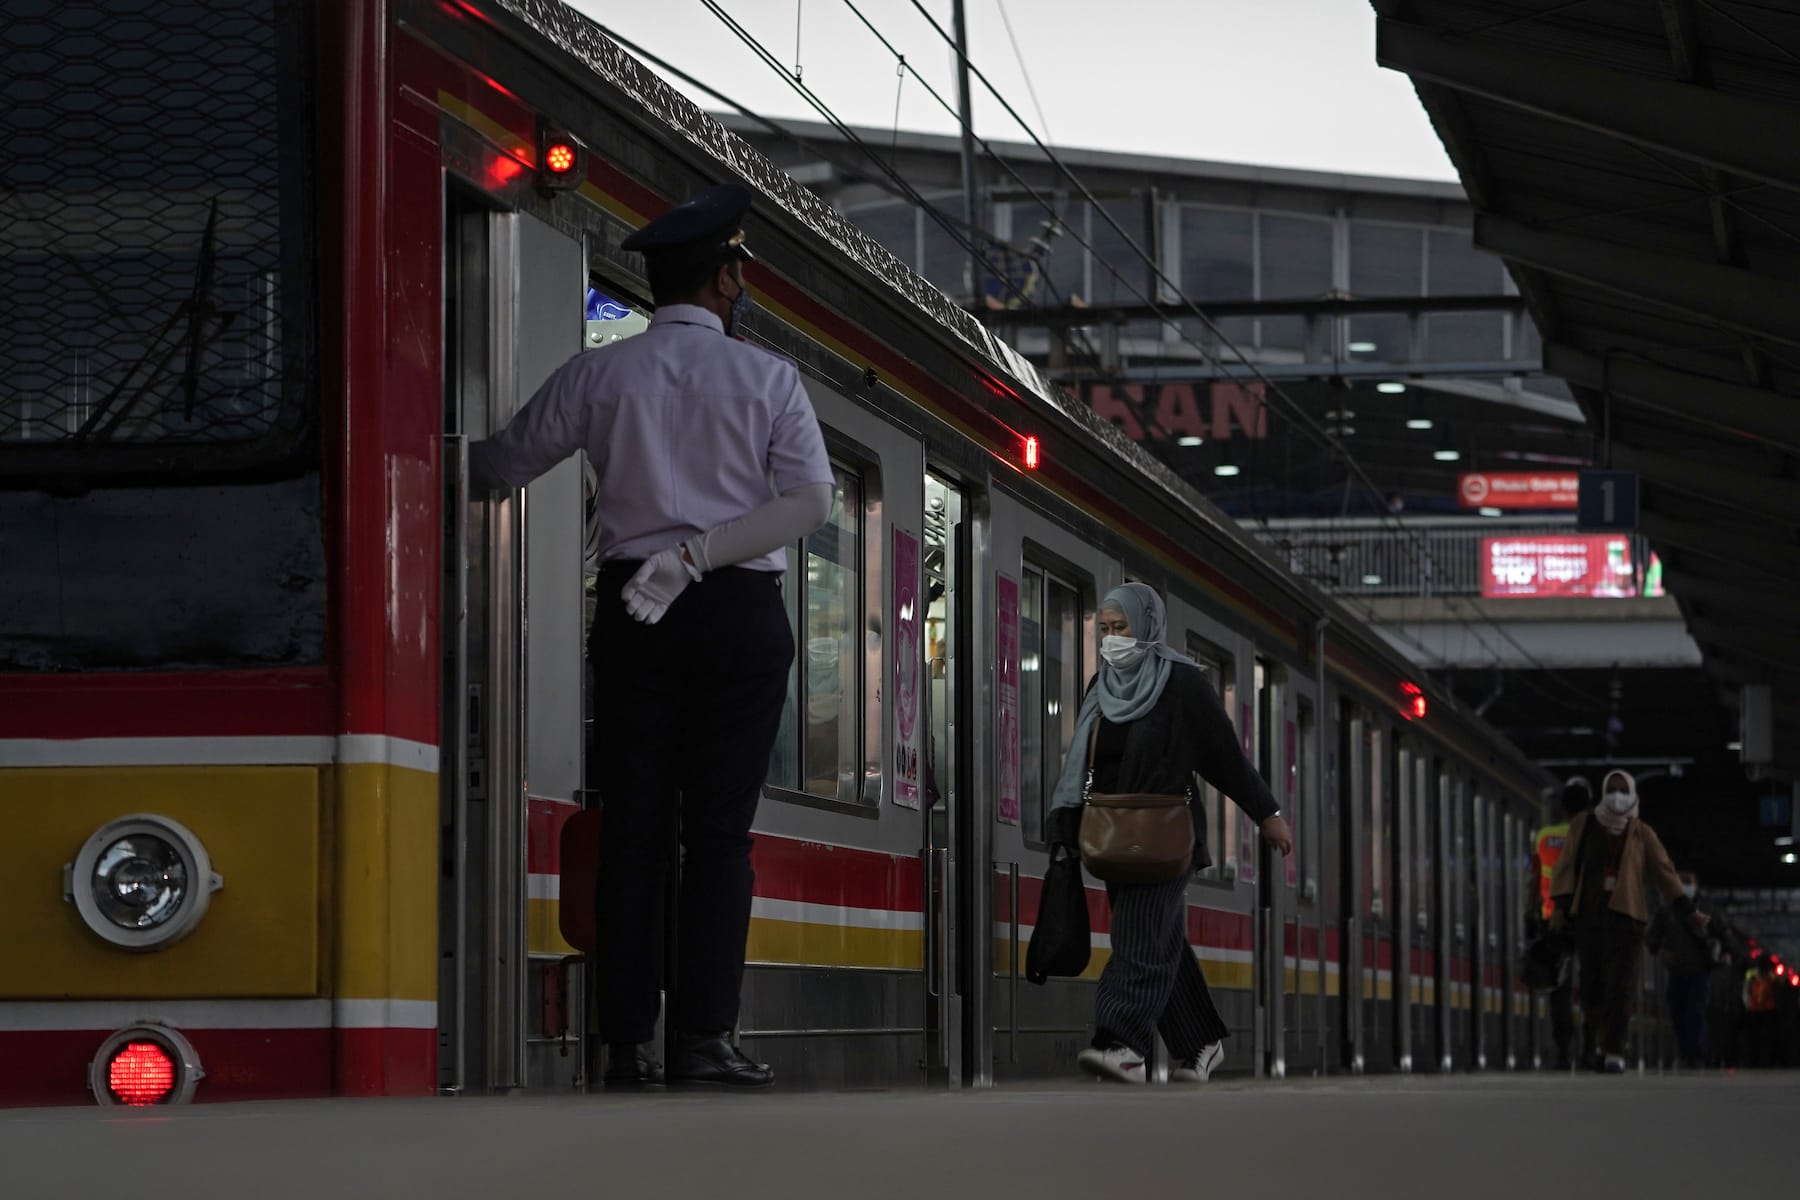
(141, 226)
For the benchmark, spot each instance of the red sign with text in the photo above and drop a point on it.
(1593, 564)
(1518, 489)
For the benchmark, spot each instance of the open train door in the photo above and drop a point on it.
(513, 673)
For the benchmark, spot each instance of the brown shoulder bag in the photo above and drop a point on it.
(1129, 837)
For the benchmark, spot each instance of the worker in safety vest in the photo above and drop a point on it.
(1547, 846)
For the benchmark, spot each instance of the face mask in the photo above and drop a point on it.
(1689, 890)
(1122, 652)
(740, 308)
(1619, 802)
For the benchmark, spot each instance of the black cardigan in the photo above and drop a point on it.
(1187, 733)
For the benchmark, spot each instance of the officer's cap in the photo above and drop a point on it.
(708, 226)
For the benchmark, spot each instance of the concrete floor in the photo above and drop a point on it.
(1471, 1136)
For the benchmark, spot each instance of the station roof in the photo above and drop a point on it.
(1637, 166)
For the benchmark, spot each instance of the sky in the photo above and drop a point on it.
(1288, 83)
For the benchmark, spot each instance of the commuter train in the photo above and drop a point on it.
(293, 722)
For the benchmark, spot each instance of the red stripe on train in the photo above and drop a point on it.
(274, 703)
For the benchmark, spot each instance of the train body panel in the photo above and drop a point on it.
(387, 821)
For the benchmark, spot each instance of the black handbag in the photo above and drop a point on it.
(1060, 942)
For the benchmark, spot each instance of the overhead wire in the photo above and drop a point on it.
(1303, 420)
(1270, 387)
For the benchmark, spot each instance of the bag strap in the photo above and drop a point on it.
(1087, 786)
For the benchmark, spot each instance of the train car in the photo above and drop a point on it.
(293, 723)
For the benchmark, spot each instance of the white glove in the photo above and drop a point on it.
(663, 577)
(783, 521)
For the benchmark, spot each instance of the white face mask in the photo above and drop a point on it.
(1122, 652)
(1689, 890)
(1619, 802)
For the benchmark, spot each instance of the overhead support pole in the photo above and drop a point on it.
(966, 115)
(1701, 399)
(1756, 138)
(1732, 297)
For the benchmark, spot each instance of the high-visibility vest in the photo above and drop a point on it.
(1759, 992)
(1547, 848)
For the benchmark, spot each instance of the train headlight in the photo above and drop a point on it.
(141, 881)
(144, 1065)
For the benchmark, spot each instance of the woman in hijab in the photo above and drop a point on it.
(1598, 887)
(1159, 725)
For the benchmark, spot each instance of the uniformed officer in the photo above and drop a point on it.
(1547, 846)
(709, 462)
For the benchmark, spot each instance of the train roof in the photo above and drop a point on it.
(671, 114)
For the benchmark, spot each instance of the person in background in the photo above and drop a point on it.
(1159, 723)
(1759, 1019)
(1598, 888)
(1689, 955)
(1547, 848)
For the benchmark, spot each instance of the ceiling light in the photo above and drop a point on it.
(1790, 859)
(1371, 580)
(1392, 387)
(1784, 841)
(1486, 511)
(1734, 745)
(1419, 423)
(1190, 440)
(1340, 414)
(1362, 347)
(1225, 470)
(1447, 455)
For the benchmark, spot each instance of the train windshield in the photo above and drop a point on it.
(160, 500)
(154, 238)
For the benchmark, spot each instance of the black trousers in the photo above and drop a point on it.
(1153, 983)
(685, 716)
(1608, 948)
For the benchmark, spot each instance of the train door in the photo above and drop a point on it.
(512, 640)
(1353, 906)
(1408, 955)
(1384, 973)
(955, 1016)
(1306, 1008)
(1277, 934)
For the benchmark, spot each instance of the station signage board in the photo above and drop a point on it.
(1564, 565)
(1519, 489)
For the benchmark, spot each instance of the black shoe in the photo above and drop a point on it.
(711, 1060)
(631, 1065)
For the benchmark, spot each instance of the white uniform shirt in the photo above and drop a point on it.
(686, 429)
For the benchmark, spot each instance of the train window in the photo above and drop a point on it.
(1050, 689)
(1215, 665)
(816, 749)
(160, 267)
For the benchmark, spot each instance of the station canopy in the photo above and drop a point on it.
(1636, 163)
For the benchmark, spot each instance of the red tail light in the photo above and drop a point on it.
(140, 1073)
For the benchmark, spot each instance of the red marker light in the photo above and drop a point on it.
(1414, 705)
(1031, 454)
(559, 160)
(141, 1073)
(1780, 969)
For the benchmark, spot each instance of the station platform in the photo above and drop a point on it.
(1467, 1136)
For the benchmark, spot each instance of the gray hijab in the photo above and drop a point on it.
(1122, 693)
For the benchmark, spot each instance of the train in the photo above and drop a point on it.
(295, 723)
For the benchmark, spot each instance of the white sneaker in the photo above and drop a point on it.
(1200, 1068)
(1119, 1064)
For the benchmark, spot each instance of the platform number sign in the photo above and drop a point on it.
(1608, 500)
